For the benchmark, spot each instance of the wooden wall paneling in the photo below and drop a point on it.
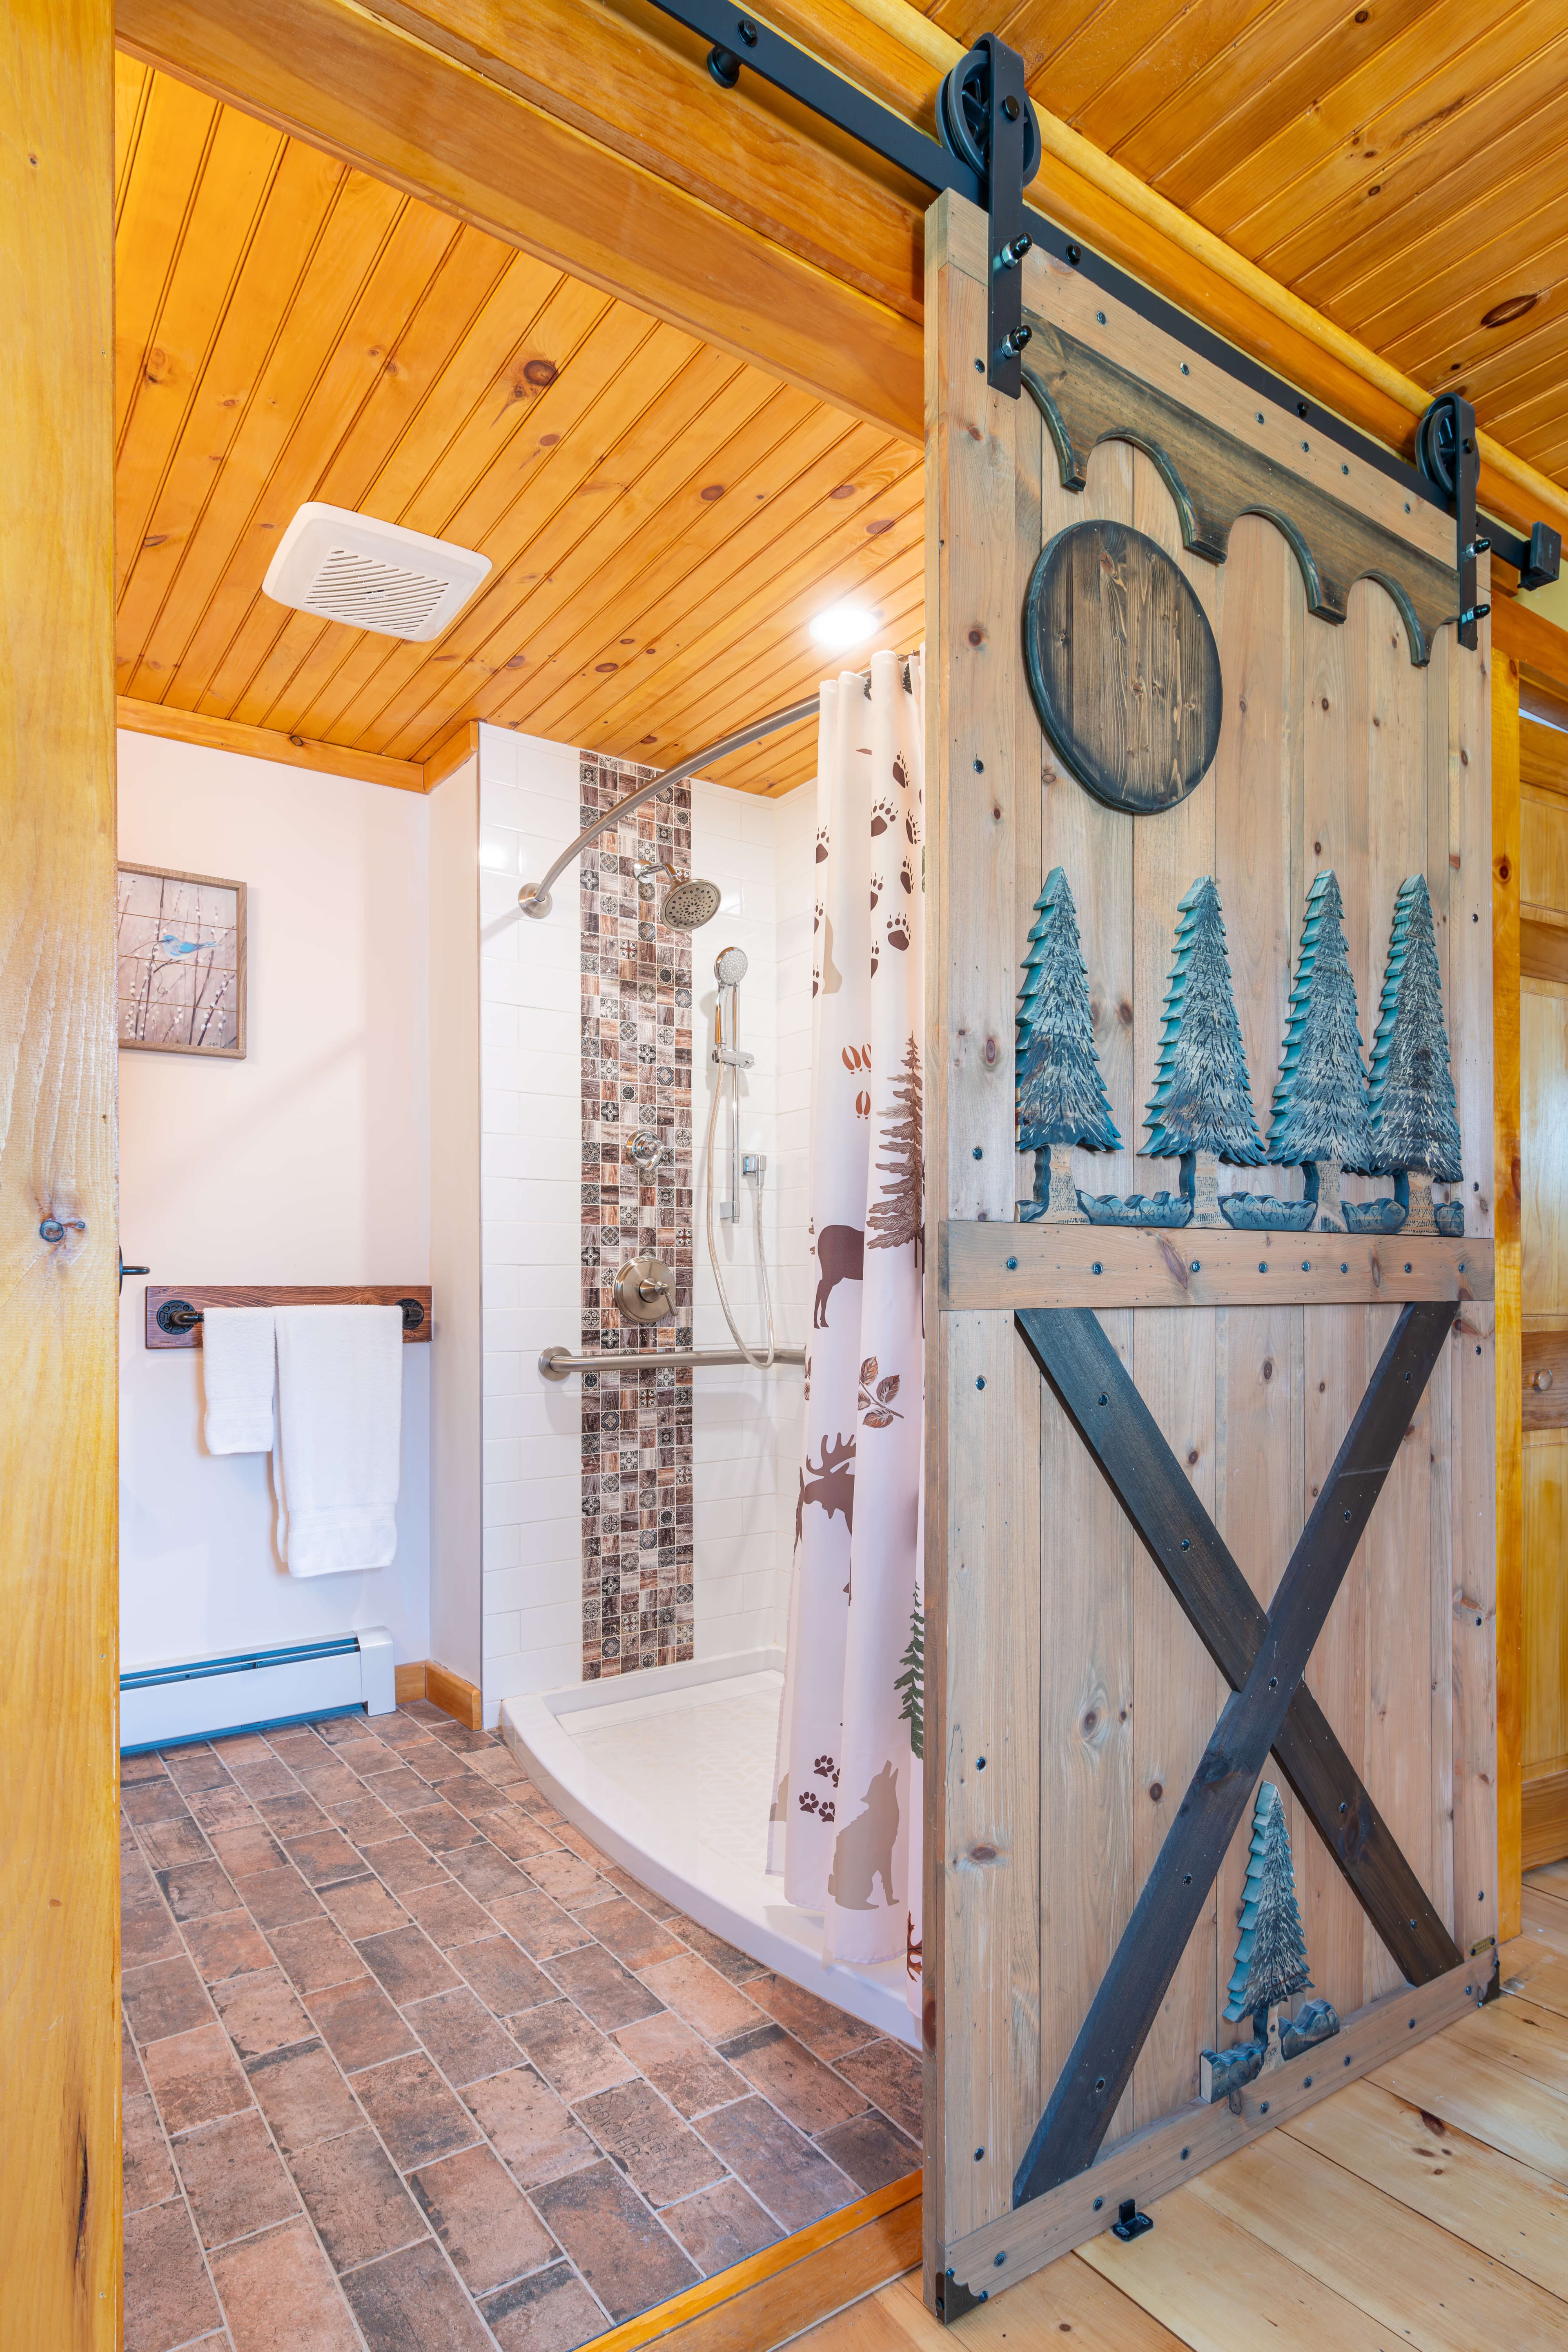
(60, 2197)
(1543, 759)
(1544, 1108)
(1507, 862)
(982, 1901)
(1545, 1615)
(1176, 1696)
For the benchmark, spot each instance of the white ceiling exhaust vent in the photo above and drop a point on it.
(372, 575)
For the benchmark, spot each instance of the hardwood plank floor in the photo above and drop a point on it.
(1424, 2206)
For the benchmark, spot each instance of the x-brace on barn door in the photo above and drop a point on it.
(1263, 1657)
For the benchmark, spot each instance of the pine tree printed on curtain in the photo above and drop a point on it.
(1271, 1950)
(1414, 1116)
(897, 1214)
(1322, 1120)
(912, 1682)
(1201, 1110)
(1062, 1099)
(845, 1827)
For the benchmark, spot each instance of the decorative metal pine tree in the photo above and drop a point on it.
(1320, 1117)
(1414, 1118)
(1201, 1110)
(1061, 1095)
(1271, 1950)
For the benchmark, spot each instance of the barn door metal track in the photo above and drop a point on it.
(745, 44)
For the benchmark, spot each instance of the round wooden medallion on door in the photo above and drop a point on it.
(1123, 667)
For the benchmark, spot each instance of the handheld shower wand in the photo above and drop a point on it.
(729, 971)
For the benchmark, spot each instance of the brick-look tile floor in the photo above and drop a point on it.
(409, 2064)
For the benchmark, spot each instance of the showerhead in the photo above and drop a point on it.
(729, 967)
(691, 904)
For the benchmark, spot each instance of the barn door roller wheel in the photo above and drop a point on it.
(1447, 453)
(985, 118)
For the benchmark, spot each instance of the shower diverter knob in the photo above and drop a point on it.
(645, 1290)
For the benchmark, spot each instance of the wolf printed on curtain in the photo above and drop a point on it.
(846, 1826)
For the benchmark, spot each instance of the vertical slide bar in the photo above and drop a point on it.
(59, 1954)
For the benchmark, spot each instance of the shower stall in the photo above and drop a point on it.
(662, 1746)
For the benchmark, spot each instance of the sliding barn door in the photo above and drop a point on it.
(1131, 1428)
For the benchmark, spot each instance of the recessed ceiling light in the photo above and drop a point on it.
(844, 623)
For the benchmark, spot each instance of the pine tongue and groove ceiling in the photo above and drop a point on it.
(1401, 165)
(662, 518)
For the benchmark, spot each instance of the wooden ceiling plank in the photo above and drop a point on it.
(1303, 151)
(133, 92)
(1527, 417)
(493, 518)
(778, 475)
(701, 658)
(646, 586)
(484, 370)
(1286, 59)
(1528, 363)
(229, 200)
(635, 452)
(731, 601)
(1518, 117)
(661, 516)
(1106, 54)
(1446, 331)
(193, 621)
(347, 450)
(1195, 61)
(1488, 228)
(298, 206)
(420, 117)
(164, 172)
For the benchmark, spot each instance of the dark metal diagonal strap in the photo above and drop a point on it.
(1151, 1945)
(1098, 1395)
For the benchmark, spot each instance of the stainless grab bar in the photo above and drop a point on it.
(559, 1363)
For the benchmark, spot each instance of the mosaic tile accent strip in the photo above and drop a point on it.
(408, 2062)
(638, 1606)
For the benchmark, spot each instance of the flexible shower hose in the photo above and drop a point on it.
(761, 1362)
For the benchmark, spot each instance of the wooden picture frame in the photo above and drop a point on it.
(205, 995)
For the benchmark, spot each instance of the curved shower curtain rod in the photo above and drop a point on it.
(534, 897)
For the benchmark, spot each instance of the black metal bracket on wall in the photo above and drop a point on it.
(745, 43)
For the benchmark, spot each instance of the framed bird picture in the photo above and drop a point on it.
(179, 964)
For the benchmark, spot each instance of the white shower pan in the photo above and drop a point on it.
(669, 1772)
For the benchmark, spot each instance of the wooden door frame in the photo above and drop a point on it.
(1528, 652)
(60, 2199)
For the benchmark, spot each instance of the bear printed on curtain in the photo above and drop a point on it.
(845, 1828)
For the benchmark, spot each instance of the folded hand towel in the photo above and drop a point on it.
(236, 1374)
(340, 1431)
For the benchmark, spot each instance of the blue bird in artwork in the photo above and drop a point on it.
(177, 945)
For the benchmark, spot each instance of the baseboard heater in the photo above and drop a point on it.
(246, 1690)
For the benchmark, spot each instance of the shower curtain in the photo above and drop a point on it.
(845, 1828)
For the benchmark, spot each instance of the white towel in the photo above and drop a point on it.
(340, 1432)
(237, 1376)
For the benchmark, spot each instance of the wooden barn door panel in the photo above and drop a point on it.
(1056, 1651)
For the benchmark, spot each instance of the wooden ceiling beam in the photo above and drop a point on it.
(265, 743)
(737, 219)
(432, 114)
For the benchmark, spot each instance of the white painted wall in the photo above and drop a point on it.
(306, 1162)
(531, 1064)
